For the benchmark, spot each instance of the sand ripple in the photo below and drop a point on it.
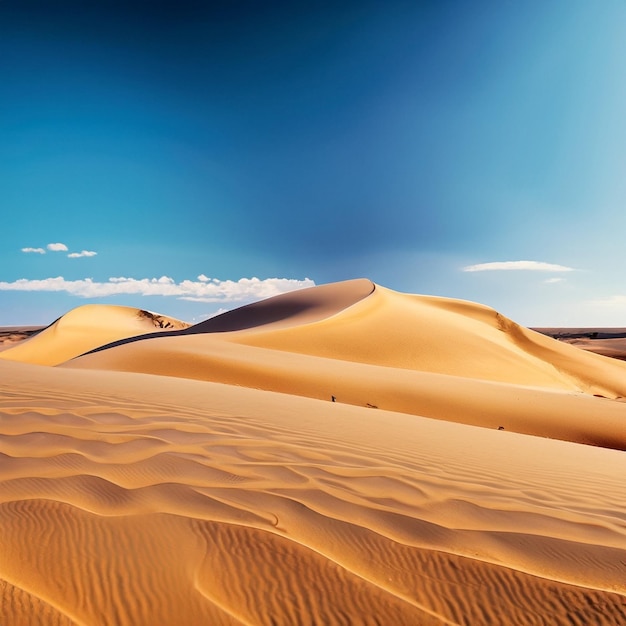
(204, 503)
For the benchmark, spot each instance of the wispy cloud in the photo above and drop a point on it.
(612, 302)
(35, 250)
(535, 266)
(555, 279)
(210, 290)
(78, 255)
(57, 247)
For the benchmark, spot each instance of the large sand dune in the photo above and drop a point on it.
(433, 357)
(203, 476)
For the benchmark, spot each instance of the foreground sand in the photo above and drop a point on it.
(135, 498)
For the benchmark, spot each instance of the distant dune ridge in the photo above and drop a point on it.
(162, 473)
(605, 341)
(85, 328)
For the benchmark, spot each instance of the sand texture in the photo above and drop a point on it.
(606, 341)
(11, 335)
(204, 476)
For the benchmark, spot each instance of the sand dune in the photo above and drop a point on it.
(85, 328)
(203, 476)
(290, 309)
(376, 326)
(432, 357)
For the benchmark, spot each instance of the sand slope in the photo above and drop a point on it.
(133, 499)
(85, 328)
(433, 357)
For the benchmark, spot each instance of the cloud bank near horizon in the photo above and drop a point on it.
(202, 290)
(534, 266)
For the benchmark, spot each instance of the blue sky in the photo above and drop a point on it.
(210, 154)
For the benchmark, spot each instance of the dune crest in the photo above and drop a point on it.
(295, 308)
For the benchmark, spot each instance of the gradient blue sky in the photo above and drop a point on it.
(400, 141)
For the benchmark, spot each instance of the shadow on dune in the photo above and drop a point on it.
(250, 316)
(289, 309)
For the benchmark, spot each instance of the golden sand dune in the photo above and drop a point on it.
(85, 328)
(134, 499)
(433, 357)
(203, 476)
(445, 336)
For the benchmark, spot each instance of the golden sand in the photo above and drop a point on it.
(204, 476)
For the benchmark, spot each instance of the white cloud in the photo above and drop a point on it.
(551, 281)
(535, 266)
(35, 250)
(613, 302)
(78, 255)
(215, 290)
(57, 247)
(203, 279)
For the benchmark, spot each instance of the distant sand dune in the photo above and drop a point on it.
(613, 347)
(85, 328)
(203, 475)
(11, 335)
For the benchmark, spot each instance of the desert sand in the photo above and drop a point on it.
(11, 335)
(606, 341)
(85, 328)
(468, 471)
